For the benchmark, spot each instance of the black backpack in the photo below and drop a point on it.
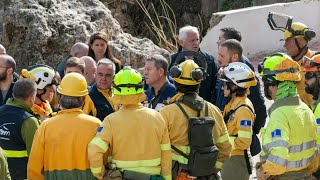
(204, 152)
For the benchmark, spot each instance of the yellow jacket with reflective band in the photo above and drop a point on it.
(178, 131)
(138, 141)
(289, 139)
(240, 124)
(42, 113)
(317, 116)
(88, 107)
(59, 147)
(305, 97)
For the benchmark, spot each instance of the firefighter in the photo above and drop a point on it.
(289, 139)
(187, 103)
(136, 136)
(297, 38)
(44, 76)
(59, 149)
(239, 117)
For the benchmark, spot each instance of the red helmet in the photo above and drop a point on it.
(312, 64)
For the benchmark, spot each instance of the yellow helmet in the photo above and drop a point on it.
(73, 84)
(187, 73)
(299, 30)
(127, 82)
(280, 67)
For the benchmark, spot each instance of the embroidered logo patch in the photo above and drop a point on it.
(276, 133)
(245, 123)
(99, 129)
(318, 121)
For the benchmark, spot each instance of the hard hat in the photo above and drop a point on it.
(43, 75)
(240, 74)
(127, 82)
(73, 84)
(314, 63)
(187, 73)
(281, 67)
(298, 30)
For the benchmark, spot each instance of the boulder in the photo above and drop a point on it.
(43, 31)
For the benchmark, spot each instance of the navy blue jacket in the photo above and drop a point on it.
(165, 93)
(207, 86)
(11, 119)
(101, 103)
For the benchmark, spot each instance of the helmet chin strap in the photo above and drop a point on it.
(302, 51)
(39, 95)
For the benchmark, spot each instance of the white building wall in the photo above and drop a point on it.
(257, 36)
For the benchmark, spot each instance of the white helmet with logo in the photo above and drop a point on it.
(240, 74)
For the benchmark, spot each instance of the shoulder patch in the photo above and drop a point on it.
(276, 133)
(99, 129)
(245, 123)
(318, 121)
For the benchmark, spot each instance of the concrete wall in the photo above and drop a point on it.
(257, 37)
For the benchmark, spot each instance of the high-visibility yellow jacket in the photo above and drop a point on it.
(137, 138)
(240, 124)
(305, 97)
(44, 111)
(316, 111)
(178, 130)
(88, 107)
(289, 139)
(59, 149)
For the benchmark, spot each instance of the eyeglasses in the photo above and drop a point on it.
(309, 75)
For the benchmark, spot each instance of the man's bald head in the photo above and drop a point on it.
(8, 62)
(79, 49)
(90, 69)
(2, 50)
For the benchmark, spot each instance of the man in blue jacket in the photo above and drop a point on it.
(155, 74)
(189, 41)
(231, 51)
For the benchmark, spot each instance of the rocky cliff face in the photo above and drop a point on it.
(43, 31)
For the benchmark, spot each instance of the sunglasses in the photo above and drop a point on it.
(309, 75)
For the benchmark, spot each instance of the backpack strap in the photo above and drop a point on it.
(180, 152)
(226, 117)
(183, 111)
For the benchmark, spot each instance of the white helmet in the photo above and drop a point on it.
(43, 75)
(240, 74)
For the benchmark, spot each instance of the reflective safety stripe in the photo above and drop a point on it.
(292, 149)
(232, 138)
(146, 170)
(278, 143)
(245, 134)
(291, 164)
(318, 130)
(140, 163)
(165, 147)
(96, 170)
(223, 138)
(219, 165)
(263, 158)
(179, 158)
(303, 146)
(16, 154)
(99, 142)
(184, 149)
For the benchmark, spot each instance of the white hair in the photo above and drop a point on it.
(107, 61)
(184, 30)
